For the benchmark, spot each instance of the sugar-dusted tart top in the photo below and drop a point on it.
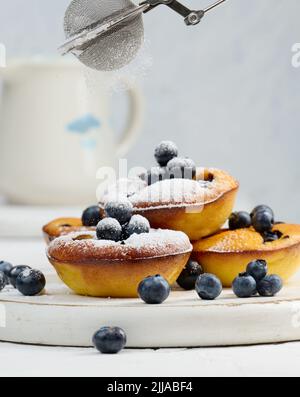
(81, 247)
(245, 240)
(61, 226)
(209, 185)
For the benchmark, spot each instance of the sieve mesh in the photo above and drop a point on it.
(114, 48)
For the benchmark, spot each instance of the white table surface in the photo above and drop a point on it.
(22, 360)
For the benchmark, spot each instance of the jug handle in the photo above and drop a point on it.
(135, 120)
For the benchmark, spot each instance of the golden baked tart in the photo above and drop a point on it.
(197, 207)
(104, 268)
(227, 253)
(62, 226)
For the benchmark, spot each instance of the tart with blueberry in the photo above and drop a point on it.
(228, 252)
(177, 195)
(114, 259)
(62, 226)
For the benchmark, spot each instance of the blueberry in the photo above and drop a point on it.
(270, 285)
(239, 220)
(91, 216)
(165, 152)
(15, 271)
(262, 208)
(109, 229)
(3, 280)
(119, 210)
(188, 277)
(181, 168)
(244, 286)
(262, 221)
(137, 225)
(5, 267)
(154, 289)
(271, 236)
(30, 282)
(124, 234)
(155, 174)
(208, 286)
(110, 340)
(257, 269)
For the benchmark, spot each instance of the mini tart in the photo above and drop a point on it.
(227, 253)
(196, 207)
(103, 268)
(62, 226)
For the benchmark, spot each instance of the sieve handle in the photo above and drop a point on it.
(192, 17)
(214, 5)
(135, 120)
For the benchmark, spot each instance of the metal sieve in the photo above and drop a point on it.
(107, 34)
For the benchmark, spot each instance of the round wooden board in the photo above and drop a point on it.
(62, 318)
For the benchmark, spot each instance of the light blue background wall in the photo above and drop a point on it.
(225, 90)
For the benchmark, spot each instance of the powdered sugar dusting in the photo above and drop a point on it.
(229, 241)
(80, 239)
(158, 240)
(210, 184)
(157, 243)
(173, 191)
(123, 189)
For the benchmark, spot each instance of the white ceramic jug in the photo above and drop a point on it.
(55, 131)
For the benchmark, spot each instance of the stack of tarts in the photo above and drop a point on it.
(145, 225)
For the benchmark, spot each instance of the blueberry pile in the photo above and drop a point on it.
(170, 165)
(207, 286)
(261, 218)
(256, 281)
(119, 222)
(155, 289)
(27, 281)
